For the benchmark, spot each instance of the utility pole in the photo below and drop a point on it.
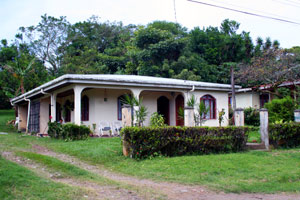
(232, 88)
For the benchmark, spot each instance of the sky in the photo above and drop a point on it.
(17, 13)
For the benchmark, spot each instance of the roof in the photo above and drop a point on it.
(121, 80)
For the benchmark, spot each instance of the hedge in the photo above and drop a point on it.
(284, 134)
(170, 141)
(68, 131)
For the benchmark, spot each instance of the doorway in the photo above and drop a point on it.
(179, 101)
(163, 108)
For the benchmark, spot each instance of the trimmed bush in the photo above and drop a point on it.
(251, 117)
(68, 131)
(285, 134)
(54, 129)
(170, 141)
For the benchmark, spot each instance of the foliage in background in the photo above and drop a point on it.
(281, 109)
(251, 116)
(273, 67)
(68, 131)
(285, 134)
(157, 120)
(171, 141)
(160, 48)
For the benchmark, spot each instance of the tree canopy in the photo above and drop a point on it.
(55, 47)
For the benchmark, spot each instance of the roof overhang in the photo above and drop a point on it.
(123, 81)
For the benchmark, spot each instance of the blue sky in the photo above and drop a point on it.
(16, 13)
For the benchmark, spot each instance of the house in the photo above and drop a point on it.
(256, 97)
(91, 99)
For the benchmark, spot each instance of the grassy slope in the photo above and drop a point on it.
(65, 169)
(17, 182)
(239, 172)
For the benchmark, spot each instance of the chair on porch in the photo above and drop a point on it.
(117, 126)
(105, 129)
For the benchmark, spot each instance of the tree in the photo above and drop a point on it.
(20, 70)
(273, 67)
(47, 40)
(96, 47)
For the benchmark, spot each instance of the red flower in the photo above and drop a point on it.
(137, 153)
(50, 117)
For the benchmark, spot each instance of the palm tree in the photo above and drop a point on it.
(20, 69)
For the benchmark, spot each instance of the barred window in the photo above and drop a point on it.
(210, 103)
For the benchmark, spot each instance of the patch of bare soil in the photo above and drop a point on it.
(170, 190)
(93, 190)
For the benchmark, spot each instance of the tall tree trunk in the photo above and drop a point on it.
(232, 89)
(22, 86)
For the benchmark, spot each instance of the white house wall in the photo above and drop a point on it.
(44, 115)
(221, 103)
(244, 100)
(100, 110)
(150, 101)
(107, 111)
(255, 100)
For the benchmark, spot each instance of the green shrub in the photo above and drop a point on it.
(170, 141)
(281, 109)
(54, 129)
(285, 134)
(157, 120)
(68, 131)
(251, 117)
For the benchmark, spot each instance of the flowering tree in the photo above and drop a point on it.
(274, 66)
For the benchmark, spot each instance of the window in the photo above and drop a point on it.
(264, 98)
(210, 103)
(34, 117)
(85, 108)
(120, 102)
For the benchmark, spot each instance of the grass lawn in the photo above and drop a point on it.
(254, 136)
(253, 171)
(17, 182)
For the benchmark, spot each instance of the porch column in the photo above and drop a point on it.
(189, 116)
(77, 104)
(264, 125)
(126, 115)
(239, 117)
(189, 111)
(53, 107)
(136, 93)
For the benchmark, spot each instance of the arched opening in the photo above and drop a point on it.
(58, 112)
(67, 111)
(85, 108)
(163, 108)
(210, 104)
(179, 101)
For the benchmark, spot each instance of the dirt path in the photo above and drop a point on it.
(92, 190)
(170, 190)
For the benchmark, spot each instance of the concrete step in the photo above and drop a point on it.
(256, 146)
